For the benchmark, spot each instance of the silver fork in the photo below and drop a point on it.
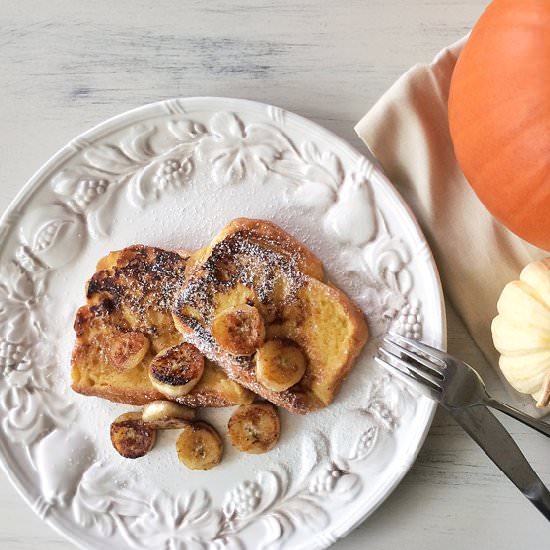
(460, 390)
(447, 379)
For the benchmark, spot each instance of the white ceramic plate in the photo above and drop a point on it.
(171, 174)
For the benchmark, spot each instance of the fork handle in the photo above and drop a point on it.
(535, 423)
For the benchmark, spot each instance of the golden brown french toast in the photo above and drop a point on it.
(307, 333)
(127, 321)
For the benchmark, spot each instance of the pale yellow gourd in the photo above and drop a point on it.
(521, 332)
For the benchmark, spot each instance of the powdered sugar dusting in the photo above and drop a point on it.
(252, 263)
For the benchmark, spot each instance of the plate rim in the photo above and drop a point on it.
(113, 123)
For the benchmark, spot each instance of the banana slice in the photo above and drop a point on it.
(130, 437)
(254, 428)
(166, 415)
(279, 365)
(199, 446)
(127, 349)
(239, 330)
(176, 370)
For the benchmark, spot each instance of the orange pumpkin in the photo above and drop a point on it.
(499, 115)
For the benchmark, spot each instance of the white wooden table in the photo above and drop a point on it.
(67, 65)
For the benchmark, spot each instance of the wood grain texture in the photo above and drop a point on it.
(68, 65)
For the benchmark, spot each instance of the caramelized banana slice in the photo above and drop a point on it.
(130, 437)
(166, 415)
(239, 330)
(127, 350)
(279, 365)
(254, 428)
(176, 370)
(199, 446)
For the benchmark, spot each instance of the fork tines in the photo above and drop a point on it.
(408, 357)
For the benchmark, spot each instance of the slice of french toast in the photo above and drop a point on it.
(255, 265)
(126, 321)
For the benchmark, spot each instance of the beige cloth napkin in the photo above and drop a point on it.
(408, 133)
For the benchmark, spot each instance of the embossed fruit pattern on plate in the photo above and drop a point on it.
(171, 174)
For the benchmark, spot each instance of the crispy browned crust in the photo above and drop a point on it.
(298, 399)
(129, 396)
(133, 291)
(271, 236)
